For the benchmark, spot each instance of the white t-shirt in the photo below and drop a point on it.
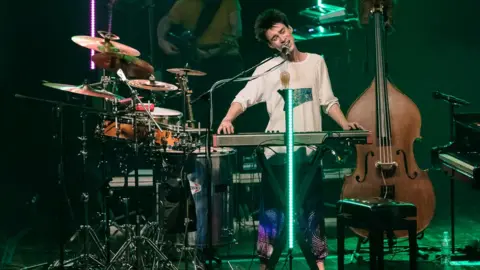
(312, 90)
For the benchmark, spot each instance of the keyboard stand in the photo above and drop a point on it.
(273, 182)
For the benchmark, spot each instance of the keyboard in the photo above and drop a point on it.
(300, 138)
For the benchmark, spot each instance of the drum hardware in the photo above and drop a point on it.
(58, 112)
(140, 242)
(58, 136)
(187, 107)
(85, 229)
(107, 193)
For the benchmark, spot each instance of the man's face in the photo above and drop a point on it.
(280, 35)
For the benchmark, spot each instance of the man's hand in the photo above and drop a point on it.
(167, 47)
(202, 54)
(226, 127)
(352, 126)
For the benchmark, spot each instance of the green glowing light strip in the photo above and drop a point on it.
(290, 134)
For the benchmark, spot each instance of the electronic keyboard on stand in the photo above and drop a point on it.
(300, 138)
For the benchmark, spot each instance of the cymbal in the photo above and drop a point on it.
(131, 65)
(153, 85)
(99, 45)
(186, 71)
(85, 90)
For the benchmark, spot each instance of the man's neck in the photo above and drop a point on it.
(297, 56)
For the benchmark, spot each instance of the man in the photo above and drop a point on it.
(309, 77)
(210, 46)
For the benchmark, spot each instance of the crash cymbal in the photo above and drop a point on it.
(99, 45)
(131, 65)
(82, 90)
(186, 71)
(152, 85)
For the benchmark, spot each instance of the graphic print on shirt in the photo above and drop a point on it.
(300, 96)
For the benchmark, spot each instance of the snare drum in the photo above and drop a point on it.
(166, 116)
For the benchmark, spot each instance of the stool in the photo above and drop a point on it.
(376, 215)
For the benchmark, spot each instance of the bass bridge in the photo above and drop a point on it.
(386, 169)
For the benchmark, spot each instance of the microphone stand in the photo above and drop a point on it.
(151, 16)
(208, 96)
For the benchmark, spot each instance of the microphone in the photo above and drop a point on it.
(449, 98)
(285, 50)
(121, 75)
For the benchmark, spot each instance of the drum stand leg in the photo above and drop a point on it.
(155, 230)
(106, 193)
(86, 230)
(141, 243)
(58, 137)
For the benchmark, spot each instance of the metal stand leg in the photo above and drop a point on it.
(86, 230)
(140, 243)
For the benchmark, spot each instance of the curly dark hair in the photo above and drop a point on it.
(266, 20)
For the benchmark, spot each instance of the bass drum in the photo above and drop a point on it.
(223, 164)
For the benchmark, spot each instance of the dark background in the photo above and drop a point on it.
(435, 47)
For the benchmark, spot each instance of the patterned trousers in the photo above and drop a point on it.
(310, 220)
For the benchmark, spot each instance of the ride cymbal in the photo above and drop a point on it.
(101, 45)
(186, 71)
(131, 65)
(152, 85)
(85, 90)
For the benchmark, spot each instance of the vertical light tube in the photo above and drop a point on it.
(92, 30)
(290, 177)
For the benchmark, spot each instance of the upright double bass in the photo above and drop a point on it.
(387, 168)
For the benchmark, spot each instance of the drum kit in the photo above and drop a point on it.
(137, 124)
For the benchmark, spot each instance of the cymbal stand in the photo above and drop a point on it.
(140, 242)
(58, 135)
(85, 229)
(185, 139)
(107, 193)
(186, 145)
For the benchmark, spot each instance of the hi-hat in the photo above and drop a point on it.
(131, 65)
(102, 45)
(85, 90)
(186, 71)
(152, 85)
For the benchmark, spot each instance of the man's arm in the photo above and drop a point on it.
(236, 21)
(163, 27)
(233, 112)
(250, 95)
(230, 42)
(337, 115)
